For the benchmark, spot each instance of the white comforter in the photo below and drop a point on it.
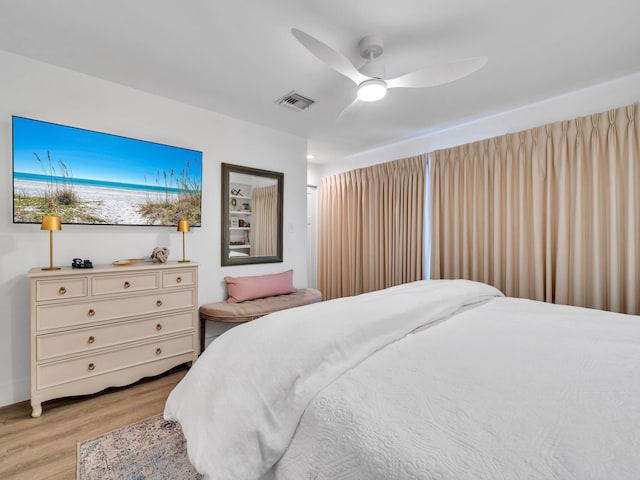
(240, 403)
(510, 390)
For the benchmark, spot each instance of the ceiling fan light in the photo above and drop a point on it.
(372, 90)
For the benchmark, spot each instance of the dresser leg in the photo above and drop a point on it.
(36, 408)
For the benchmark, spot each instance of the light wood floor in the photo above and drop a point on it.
(45, 447)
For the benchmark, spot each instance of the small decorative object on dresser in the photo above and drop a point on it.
(109, 326)
(80, 263)
(127, 261)
(159, 255)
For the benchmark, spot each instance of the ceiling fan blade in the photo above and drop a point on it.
(329, 56)
(438, 74)
(350, 111)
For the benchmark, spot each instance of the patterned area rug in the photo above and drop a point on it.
(151, 449)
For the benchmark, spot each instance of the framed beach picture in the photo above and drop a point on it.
(89, 177)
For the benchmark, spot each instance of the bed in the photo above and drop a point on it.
(443, 379)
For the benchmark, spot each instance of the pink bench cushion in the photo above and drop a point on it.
(240, 289)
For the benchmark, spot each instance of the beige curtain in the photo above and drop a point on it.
(551, 214)
(264, 221)
(372, 228)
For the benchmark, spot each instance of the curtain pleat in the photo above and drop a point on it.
(264, 227)
(372, 228)
(550, 214)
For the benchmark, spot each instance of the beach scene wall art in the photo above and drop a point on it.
(89, 177)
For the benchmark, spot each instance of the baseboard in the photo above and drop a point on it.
(15, 392)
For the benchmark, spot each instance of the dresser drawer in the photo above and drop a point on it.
(53, 345)
(56, 373)
(61, 289)
(93, 311)
(178, 278)
(124, 283)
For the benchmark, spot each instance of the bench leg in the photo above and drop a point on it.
(202, 332)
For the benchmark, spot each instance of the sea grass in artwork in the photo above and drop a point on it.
(57, 196)
(179, 200)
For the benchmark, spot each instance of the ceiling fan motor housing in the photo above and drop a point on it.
(371, 47)
(373, 69)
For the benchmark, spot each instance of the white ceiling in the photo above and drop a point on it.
(237, 57)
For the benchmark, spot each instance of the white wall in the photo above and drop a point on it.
(314, 171)
(598, 98)
(37, 90)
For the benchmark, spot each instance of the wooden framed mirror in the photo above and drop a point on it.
(252, 201)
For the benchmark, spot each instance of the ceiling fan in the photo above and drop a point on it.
(371, 77)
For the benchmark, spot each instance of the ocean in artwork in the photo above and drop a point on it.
(39, 182)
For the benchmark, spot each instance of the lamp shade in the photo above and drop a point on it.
(183, 226)
(51, 223)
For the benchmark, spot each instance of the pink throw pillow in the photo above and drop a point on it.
(259, 286)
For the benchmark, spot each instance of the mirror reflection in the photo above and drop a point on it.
(252, 215)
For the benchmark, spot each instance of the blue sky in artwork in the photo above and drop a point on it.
(98, 156)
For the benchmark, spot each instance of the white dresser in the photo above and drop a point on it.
(109, 326)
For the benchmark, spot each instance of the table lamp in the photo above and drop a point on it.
(50, 223)
(183, 226)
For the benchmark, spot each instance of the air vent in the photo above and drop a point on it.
(295, 101)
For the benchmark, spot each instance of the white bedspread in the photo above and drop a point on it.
(240, 403)
(510, 390)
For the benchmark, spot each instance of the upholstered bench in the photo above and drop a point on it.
(251, 309)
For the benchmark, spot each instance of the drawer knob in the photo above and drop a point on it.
(158, 351)
(127, 284)
(91, 339)
(159, 327)
(159, 303)
(91, 367)
(62, 290)
(91, 312)
(179, 280)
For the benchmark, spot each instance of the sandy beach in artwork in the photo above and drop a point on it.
(112, 205)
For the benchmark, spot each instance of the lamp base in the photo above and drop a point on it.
(184, 261)
(50, 268)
